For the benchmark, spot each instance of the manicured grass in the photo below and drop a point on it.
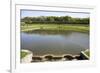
(23, 54)
(70, 27)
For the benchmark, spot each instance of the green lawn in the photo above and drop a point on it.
(70, 27)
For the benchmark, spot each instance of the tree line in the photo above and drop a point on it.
(54, 20)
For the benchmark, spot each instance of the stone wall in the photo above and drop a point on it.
(28, 57)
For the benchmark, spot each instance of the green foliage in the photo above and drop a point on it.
(55, 20)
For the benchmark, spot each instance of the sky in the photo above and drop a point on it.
(30, 13)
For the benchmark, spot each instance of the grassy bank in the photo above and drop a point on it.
(70, 27)
(87, 52)
(23, 54)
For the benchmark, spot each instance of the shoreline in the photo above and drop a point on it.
(51, 57)
(78, 28)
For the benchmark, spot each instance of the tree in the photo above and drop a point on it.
(55, 19)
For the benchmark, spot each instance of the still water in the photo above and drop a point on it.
(54, 42)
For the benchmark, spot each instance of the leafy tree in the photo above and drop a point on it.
(55, 19)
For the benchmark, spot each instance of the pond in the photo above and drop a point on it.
(54, 42)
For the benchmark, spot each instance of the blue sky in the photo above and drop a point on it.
(30, 13)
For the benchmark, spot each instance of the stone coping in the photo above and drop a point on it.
(50, 57)
(28, 57)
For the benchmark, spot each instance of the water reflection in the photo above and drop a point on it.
(54, 42)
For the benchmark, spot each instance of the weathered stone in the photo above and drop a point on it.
(48, 57)
(56, 58)
(36, 59)
(28, 57)
(68, 57)
(77, 57)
